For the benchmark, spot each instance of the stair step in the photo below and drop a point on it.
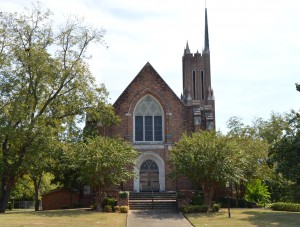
(156, 200)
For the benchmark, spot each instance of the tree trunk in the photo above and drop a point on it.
(4, 195)
(36, 195)
(37, 184)
(99, 198)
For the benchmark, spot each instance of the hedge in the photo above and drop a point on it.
(293, 207)
(195, 209)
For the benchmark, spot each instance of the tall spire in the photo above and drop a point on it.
(187, 49)
(206, 44)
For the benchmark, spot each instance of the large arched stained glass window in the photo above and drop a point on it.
(148, 120)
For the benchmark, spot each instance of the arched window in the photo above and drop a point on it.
(148, 120)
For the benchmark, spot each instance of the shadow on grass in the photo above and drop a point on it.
(272, 218)
(55, 213)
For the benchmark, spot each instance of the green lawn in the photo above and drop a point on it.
(246, 218)
(78, 217)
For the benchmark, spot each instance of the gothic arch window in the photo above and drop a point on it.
(148, 120)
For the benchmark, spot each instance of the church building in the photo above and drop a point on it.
(153, 117)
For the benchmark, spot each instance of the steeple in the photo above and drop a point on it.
(206, 44)
(187, 49)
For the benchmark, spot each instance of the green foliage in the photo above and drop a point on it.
(213, 157)
(109, 201)
(124, 209)
(257, 192)
(284, 153)
(46, 87)
(215, 208)
(123, 194)
(297, 87)
(198, 199)
(194, 209)
(107, 208)
(104, 162)
(293, 207)
(24, 189)
(9, 205)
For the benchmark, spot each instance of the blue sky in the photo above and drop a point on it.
(255, 47)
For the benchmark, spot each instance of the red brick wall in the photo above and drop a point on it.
(59, 199)
(178, 118)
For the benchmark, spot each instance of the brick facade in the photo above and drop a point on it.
(193, 111)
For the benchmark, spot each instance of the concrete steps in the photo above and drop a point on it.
(155, 200)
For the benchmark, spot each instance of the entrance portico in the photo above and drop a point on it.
(150, 172)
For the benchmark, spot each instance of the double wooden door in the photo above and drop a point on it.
(149, 176)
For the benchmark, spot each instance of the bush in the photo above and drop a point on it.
(115, 208)
(123, 195)
(124, 209)
(9, 206)
(293, 207)
(195, 209)
(242, 203)
(107, 208)
(109, 201)
(180, 195)
(216, 208)
(198, 199)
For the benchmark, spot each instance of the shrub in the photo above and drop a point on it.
(115, 208)
(194, 209)
(109, 201)
(107, 208)
(257, 192)
(123, 195)
(180, 195)
(9, 205)
(124, 209)
(293, 207)
(198, 199)
(216, 208)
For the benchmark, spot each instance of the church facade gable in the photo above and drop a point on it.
(154, 118)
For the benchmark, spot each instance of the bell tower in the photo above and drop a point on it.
(197, 90)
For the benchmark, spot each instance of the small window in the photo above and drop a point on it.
(202, 85)
(194, 84)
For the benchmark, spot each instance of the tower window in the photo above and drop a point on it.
(194, 84)
(148, 121)
(202, 85)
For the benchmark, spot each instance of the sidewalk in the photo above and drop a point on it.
(156, 218)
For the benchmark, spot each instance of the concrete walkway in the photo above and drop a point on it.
(156, 218)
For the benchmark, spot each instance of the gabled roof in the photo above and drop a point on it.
(147, 69)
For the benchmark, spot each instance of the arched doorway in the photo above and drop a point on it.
(149, 176)
(158, 161)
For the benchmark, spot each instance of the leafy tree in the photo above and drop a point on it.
(104, 162)
(298, 87)
(285, 152)
(257, 192)
(45, 85)
(208, 159)
(255, 153)
(25, 188)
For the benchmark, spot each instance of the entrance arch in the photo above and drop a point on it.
(150, 172)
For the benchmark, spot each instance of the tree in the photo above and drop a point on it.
(104, 162)
(257, 192)
(298, 87)
(255, 152)
(285, 152)
(208, 159)
(45, 85)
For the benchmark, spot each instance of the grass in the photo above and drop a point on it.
(246, 218)
(75, 217)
